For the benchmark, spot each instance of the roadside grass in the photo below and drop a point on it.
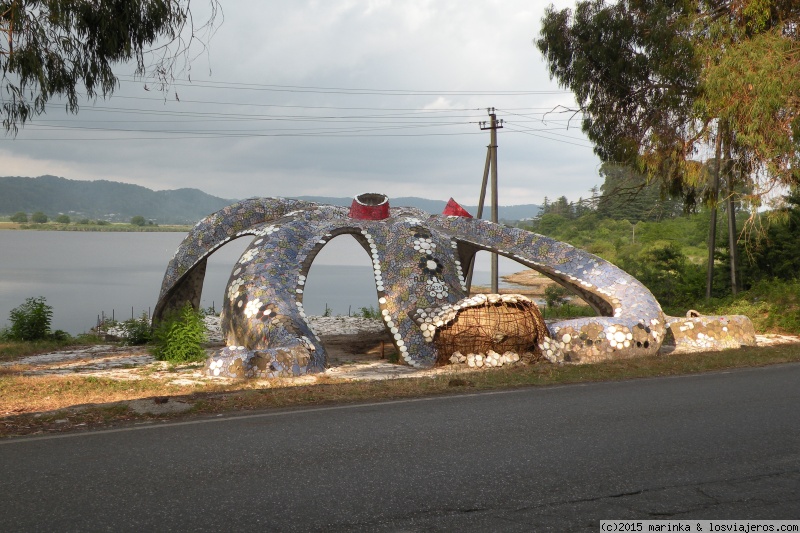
(43, 404)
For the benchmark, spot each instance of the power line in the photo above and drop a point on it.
(340, 90)
(509, 110)
(248, 116)
(549, 138)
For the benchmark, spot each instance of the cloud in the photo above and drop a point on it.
(375, 95)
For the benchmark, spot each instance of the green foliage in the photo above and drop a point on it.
(138, 220)
(557, 304)
(773, 305)
(138, 331)
(567, 310)
(61, 336)
(38, 217)
(31, 320)
(180, 336)
(84, 222)
(774, 253)
(66, 48)
(632, 68)
(102, 223)
(626, 195)
(19, 217)
(555, 296)
(659, 81)
(668, 257)
(664, 269)
(63, 219)
(369, 312)
(328, 311)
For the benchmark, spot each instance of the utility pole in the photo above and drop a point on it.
(493, 126)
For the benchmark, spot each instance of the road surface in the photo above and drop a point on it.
(713, 446)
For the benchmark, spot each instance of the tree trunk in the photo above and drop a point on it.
(712, 230)
(732, 234)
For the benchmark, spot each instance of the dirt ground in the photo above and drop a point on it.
(365, 347)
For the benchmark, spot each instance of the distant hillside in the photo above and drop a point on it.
(119, 202)
(434, 207)
(104, 200)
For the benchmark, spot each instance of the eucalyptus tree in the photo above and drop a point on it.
(661, 83)
(68, 48)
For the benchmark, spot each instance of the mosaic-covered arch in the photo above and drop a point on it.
(419, 262)
(183, 280)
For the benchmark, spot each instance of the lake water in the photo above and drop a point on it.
(83, 275)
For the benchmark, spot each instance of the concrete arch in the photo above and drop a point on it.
(419, 263)
(183, 280)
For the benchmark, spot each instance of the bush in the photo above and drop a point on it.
(63, 219)
(31, 320)
(138, 220)
(772, 304)
(137, 331)
(180, 336)
(555, 295)
(369, 312)
(61, 336)
(39, 217)
(19, 217)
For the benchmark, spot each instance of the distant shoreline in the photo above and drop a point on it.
(130, 228)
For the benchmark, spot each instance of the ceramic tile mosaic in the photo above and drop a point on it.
(419, 261)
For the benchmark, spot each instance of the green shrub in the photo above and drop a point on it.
(19, 217)
(38, 217)
(31, 320)
(555, 295)
(61, 336)
(567, 310)
(63, 219)
(773, 305)
(137, 331)
(369, 312)
(180, 336)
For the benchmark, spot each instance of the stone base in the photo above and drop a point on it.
(712, 332)
(238, 362)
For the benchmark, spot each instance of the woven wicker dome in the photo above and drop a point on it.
(500, 323)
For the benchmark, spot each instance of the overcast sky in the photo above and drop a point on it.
(334, 98)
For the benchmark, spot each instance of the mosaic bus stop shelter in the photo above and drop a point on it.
(419, 264)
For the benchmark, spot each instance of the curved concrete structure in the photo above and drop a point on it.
(419, 262)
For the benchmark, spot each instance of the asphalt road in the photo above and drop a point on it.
(713, 446)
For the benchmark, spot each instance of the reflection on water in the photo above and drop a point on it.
(86, 274)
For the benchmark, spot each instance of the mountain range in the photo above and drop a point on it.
(119, 202)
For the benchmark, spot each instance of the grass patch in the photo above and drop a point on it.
(772, 305)
(26, 394)
(12, 350)
(33, 403)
